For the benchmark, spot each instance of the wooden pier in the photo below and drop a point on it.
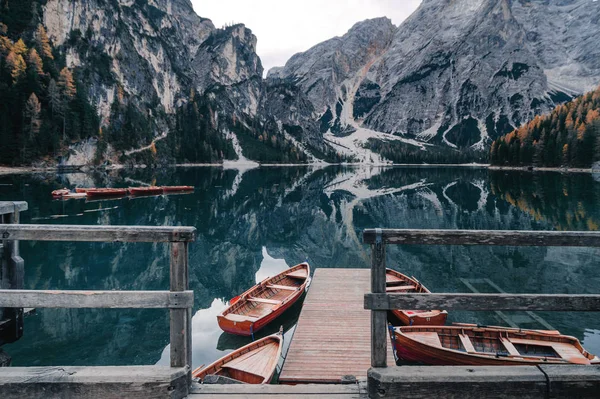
(332, 341)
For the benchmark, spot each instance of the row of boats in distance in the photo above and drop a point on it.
(96, 193)
(422, 336)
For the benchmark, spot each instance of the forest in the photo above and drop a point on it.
(567, 137)
(42, 107)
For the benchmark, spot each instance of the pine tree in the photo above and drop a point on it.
(54, 98)
(6, 46)
(43, 43)
(32, 115)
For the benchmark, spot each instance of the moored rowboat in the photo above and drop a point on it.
(487, 346)
(176, 189)
(60, 192)
(399, 283)
(261, 304)
(105, 192)
(152, 190)
(254, 363)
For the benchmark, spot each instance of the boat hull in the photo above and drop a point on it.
(146, 191)
(91, 193)
(263, 303)
(412, 318)
(259, 370)
(247, 328)
(487, 346)
(395, 280)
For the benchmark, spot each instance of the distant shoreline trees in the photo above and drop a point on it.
(569, 136)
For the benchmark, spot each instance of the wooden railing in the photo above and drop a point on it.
(11, 274)
(379, 302)
(179, 301)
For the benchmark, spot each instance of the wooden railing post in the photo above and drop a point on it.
(11, 273)
(181, 319)
(378, 317)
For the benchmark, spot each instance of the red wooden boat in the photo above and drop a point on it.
(254, 363)
(176, 189)
(105, 192)
(82, 190)
(60, 192)
(487, 346)
(399, 283)
(261, 304)
(152, 190)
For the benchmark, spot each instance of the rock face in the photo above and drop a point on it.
(174, 85)
(455, 73)
(453, 76)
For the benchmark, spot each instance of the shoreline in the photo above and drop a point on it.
(13, 170)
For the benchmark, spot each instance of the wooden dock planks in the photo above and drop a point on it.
(333, 335)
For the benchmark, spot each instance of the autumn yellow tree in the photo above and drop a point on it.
(34, 62)
(5, 46)
(20, 48)
(66, 83)
(16, 65)
(43, 43)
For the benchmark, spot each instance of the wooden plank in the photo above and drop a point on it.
(96, 299)
(485, 302)
(462, 382)
(572, 381)
(93, 382)
(11, 207)
(97, 233)
(180, 319)
(332, 338)
(340, 391)
(486, 237)
(379, 334)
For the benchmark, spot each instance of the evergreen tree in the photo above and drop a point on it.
(16, 65)
(32, 111)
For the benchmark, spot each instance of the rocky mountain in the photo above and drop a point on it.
(168, 86)
(454, 74)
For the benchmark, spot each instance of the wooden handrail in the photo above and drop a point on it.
(485, 237)
(484, 302)
(378, 301)
(57, 232)
(96, 299)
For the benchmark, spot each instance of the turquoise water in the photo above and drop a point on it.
(257, 222)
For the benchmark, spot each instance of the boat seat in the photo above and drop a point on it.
(400, 288)
(264, 300)
(466, 343)
(428, 338)
(240, 318)
(509, 347)
(301, 274)
(282, 287)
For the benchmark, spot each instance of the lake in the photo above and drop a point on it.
(254, 223)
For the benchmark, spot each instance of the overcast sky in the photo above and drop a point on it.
(285, 27)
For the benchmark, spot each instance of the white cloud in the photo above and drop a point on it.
(284, 28)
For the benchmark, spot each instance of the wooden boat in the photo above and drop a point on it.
(251, 311)
(399, 283)
(74, 196)
(60, 192)
(176, 189)
(83, 190)
(152, 190)
(254, 363)
(487, 346)
(105, 192)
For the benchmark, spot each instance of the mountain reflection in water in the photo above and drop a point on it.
(257, 222)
